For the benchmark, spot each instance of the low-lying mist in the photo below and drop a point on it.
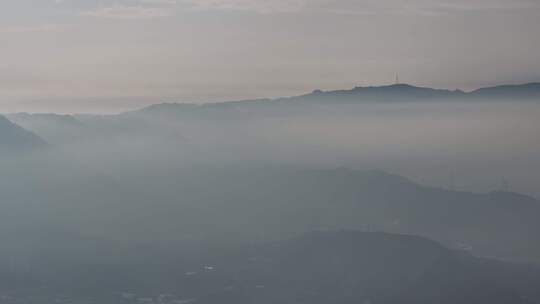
(463, 145)
(152, 200)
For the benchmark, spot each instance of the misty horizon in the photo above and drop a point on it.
(269, 151)
(148, 102)
(115, 55)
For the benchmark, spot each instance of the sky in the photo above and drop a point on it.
(106, 56)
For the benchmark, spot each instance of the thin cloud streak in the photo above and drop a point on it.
(129, 13)
(151, 9)
(360, 7)
(31, 29)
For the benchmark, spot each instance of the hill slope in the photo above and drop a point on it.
(14, 139)
(355, 267)
(318, 267)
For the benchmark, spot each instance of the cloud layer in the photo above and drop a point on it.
(129, 12)
(143, 9)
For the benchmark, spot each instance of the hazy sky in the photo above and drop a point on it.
(112, 55)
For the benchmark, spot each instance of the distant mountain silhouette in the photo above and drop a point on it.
(389, 93)
(396, 92)
(525, 91)
(14, 139)
(409, 92)
(58, 128)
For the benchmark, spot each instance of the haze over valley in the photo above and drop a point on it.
(169, 180)
(269, 151)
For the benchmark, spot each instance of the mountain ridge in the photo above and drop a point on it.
(394, 92)
(15, 139)
(391, 92)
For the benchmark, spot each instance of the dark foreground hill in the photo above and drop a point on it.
(353, 267)
(319, 267)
